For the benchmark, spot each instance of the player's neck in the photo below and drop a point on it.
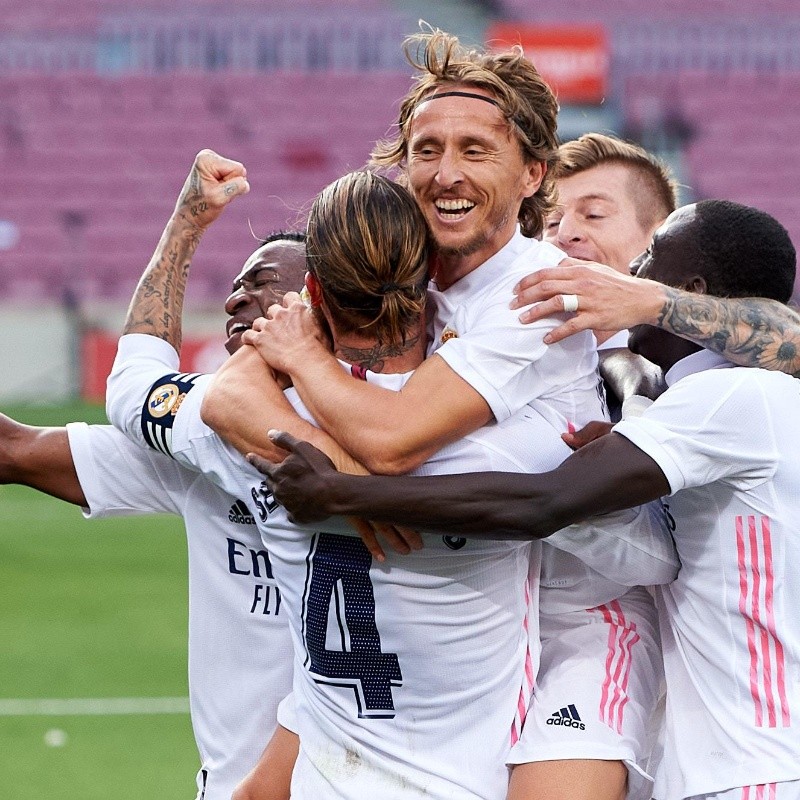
(403, 356)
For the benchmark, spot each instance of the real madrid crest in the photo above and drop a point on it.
(447, 334)
(162, 400)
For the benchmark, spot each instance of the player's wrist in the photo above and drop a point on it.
(182, 222)
(655, 302)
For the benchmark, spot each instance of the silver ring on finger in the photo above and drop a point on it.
(570, 302)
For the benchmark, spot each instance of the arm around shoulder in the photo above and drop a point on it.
(245, 401)
(607, 475)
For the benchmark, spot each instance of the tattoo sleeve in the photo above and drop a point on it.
(157, 303)
(752, 332)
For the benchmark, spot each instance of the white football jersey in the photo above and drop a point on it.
(507, 363)
(728, 442)
(240, 651)
(436, 762)
(411, 676)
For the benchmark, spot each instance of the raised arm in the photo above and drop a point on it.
(157, 303)
(753, 332)
(39, 458)
(607, 475)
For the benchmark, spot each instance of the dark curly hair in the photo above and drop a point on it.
(744, 252)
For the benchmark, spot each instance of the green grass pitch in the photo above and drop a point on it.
(91, 610)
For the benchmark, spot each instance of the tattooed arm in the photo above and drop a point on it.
(157, 303)
(753, 332)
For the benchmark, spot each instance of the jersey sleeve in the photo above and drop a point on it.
(146, 389)
(201, 449)
(509, 365)
(710, 426)
(121, 478)
(159, 407)
(506, 362)
(633, 547)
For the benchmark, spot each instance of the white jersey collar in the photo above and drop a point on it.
(696, 362)
(619, 341)
(498, 264)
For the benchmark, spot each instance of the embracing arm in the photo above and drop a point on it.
(39, 458)
(753, 332)
(390, 432)
(244, 401)
(628, 374)
(607, 475)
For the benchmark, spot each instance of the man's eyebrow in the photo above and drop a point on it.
(424, 140)
(596, 196)
(254, 270)
(467, 140)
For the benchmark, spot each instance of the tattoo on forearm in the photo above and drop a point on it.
(157, 305)
(374, 358)
(753, 332)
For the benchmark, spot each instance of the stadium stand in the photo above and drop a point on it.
(611, 10)
(92, 164)
(739, 130)
(103, 105)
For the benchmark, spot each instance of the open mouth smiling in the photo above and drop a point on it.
(453, 209)
(238, 327)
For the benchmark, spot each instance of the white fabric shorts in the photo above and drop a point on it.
(785, 790)
(597, 689)
(287, 713)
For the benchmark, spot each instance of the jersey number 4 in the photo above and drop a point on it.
(339, 604)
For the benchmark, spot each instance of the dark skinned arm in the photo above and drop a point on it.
(251, 401)
(157, 303)
(607, 475)
(40, 458)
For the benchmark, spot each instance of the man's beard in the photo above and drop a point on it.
(476, 243)
(466, 249)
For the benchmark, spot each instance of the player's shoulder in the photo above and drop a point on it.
(536, 255)
(737, 381)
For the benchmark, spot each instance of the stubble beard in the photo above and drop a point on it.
(478, 242)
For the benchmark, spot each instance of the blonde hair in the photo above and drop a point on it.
(653, 189)
(524, 99)
(366, 245)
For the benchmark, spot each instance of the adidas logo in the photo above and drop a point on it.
(240, 514)
(568, 717)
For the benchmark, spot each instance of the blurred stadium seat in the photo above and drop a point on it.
(94, 163)
(103, 105)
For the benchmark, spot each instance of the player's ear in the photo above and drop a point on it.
(696, 284)
(314, 290)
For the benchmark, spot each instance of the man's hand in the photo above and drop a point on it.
(588, 433)
(607, 299)
(287, 335)
(211, 184)
(157, 304)
(303, 483)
